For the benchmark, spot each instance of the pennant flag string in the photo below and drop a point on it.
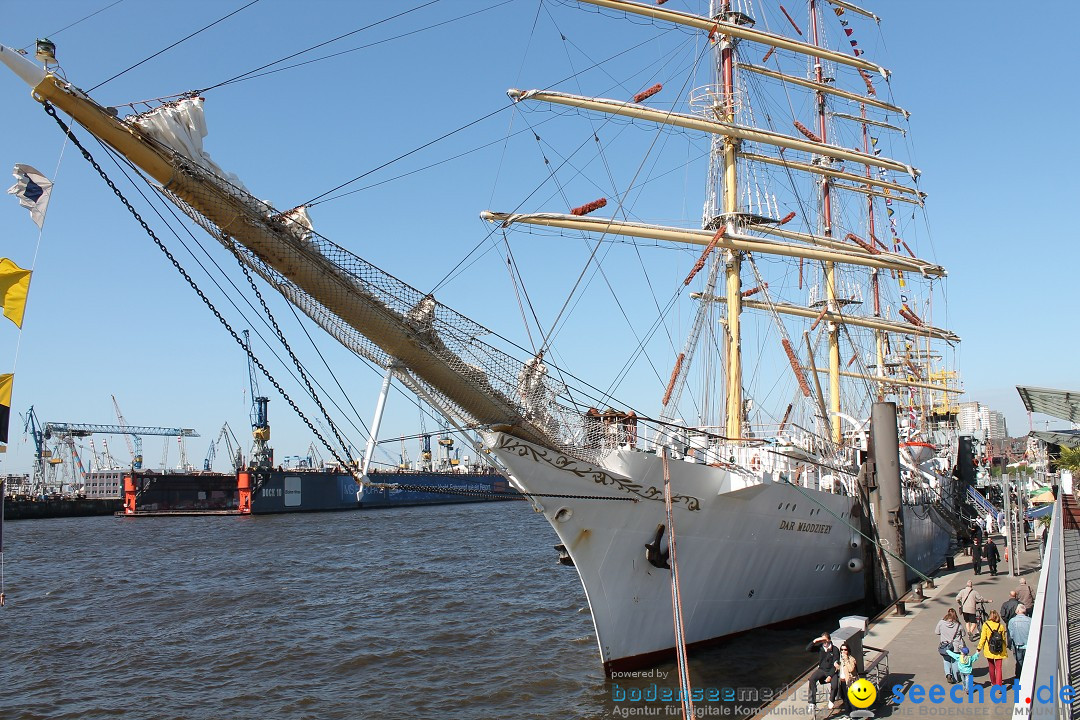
(848, 31)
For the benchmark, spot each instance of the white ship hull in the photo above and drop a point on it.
(751, 552)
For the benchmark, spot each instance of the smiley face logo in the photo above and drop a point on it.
(862, 693)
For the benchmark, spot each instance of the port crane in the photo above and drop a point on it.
(315, 456)
(232, 446)
(136, 448)
(42, 454)
(66, 431)
(261, 454)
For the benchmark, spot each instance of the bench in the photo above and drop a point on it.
(875, 669)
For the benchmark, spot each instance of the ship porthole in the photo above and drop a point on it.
(563, 514)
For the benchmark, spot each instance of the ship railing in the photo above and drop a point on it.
(877, 670)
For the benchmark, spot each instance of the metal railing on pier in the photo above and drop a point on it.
(1048, 662)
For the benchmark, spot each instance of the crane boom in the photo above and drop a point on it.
(136, 456)
(261, 454)
(84, 429)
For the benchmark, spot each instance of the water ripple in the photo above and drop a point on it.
(428, 612)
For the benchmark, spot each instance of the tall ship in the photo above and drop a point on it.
(756, 337)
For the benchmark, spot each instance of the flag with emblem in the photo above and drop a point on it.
(33, 190)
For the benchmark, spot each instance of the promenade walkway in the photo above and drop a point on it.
(912, 646)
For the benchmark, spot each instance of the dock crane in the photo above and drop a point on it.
(106, 455)
(208, 462)
(232, 446)
(39, 483)
(315, 456)
(64, 431)
(136, 449)
(261, 454)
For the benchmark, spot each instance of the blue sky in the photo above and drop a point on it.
(992, 128)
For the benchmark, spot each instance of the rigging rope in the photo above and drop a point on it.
(54, 33)
(170, 47)
(288, 348)
(251, 73)
(234, 286)
(50, 110)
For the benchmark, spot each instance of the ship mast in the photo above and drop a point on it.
(827, 231)
(875, 276)
(733, 403)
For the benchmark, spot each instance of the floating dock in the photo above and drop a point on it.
(271, 491)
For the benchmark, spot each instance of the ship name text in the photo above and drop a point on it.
(820, 528)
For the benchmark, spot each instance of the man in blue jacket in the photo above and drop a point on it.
(1019, 627)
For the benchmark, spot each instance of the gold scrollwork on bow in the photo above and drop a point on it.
(581, 470)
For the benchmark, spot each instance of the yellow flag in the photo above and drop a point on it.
(5, 404)
(14, 285)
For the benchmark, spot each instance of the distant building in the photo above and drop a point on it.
(16, 484)
(105, 484)
(982, 422)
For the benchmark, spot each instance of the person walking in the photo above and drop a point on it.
(949, 633)
(1025, 595)
(1008, 608)
(968, 600)
(994, 645)
(976, 556)
(992, 556)
(826, 671)
(1019, 627)
(966, 663)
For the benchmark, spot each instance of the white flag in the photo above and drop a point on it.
(33, 191)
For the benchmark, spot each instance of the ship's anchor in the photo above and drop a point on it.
(564, 555)
(656, 557)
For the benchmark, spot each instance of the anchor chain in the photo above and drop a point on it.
(285, 343)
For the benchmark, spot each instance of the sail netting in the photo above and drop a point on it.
(437, 352)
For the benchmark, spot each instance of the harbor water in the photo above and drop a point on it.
(425, 612)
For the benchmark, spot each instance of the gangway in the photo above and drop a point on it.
(981, 502)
